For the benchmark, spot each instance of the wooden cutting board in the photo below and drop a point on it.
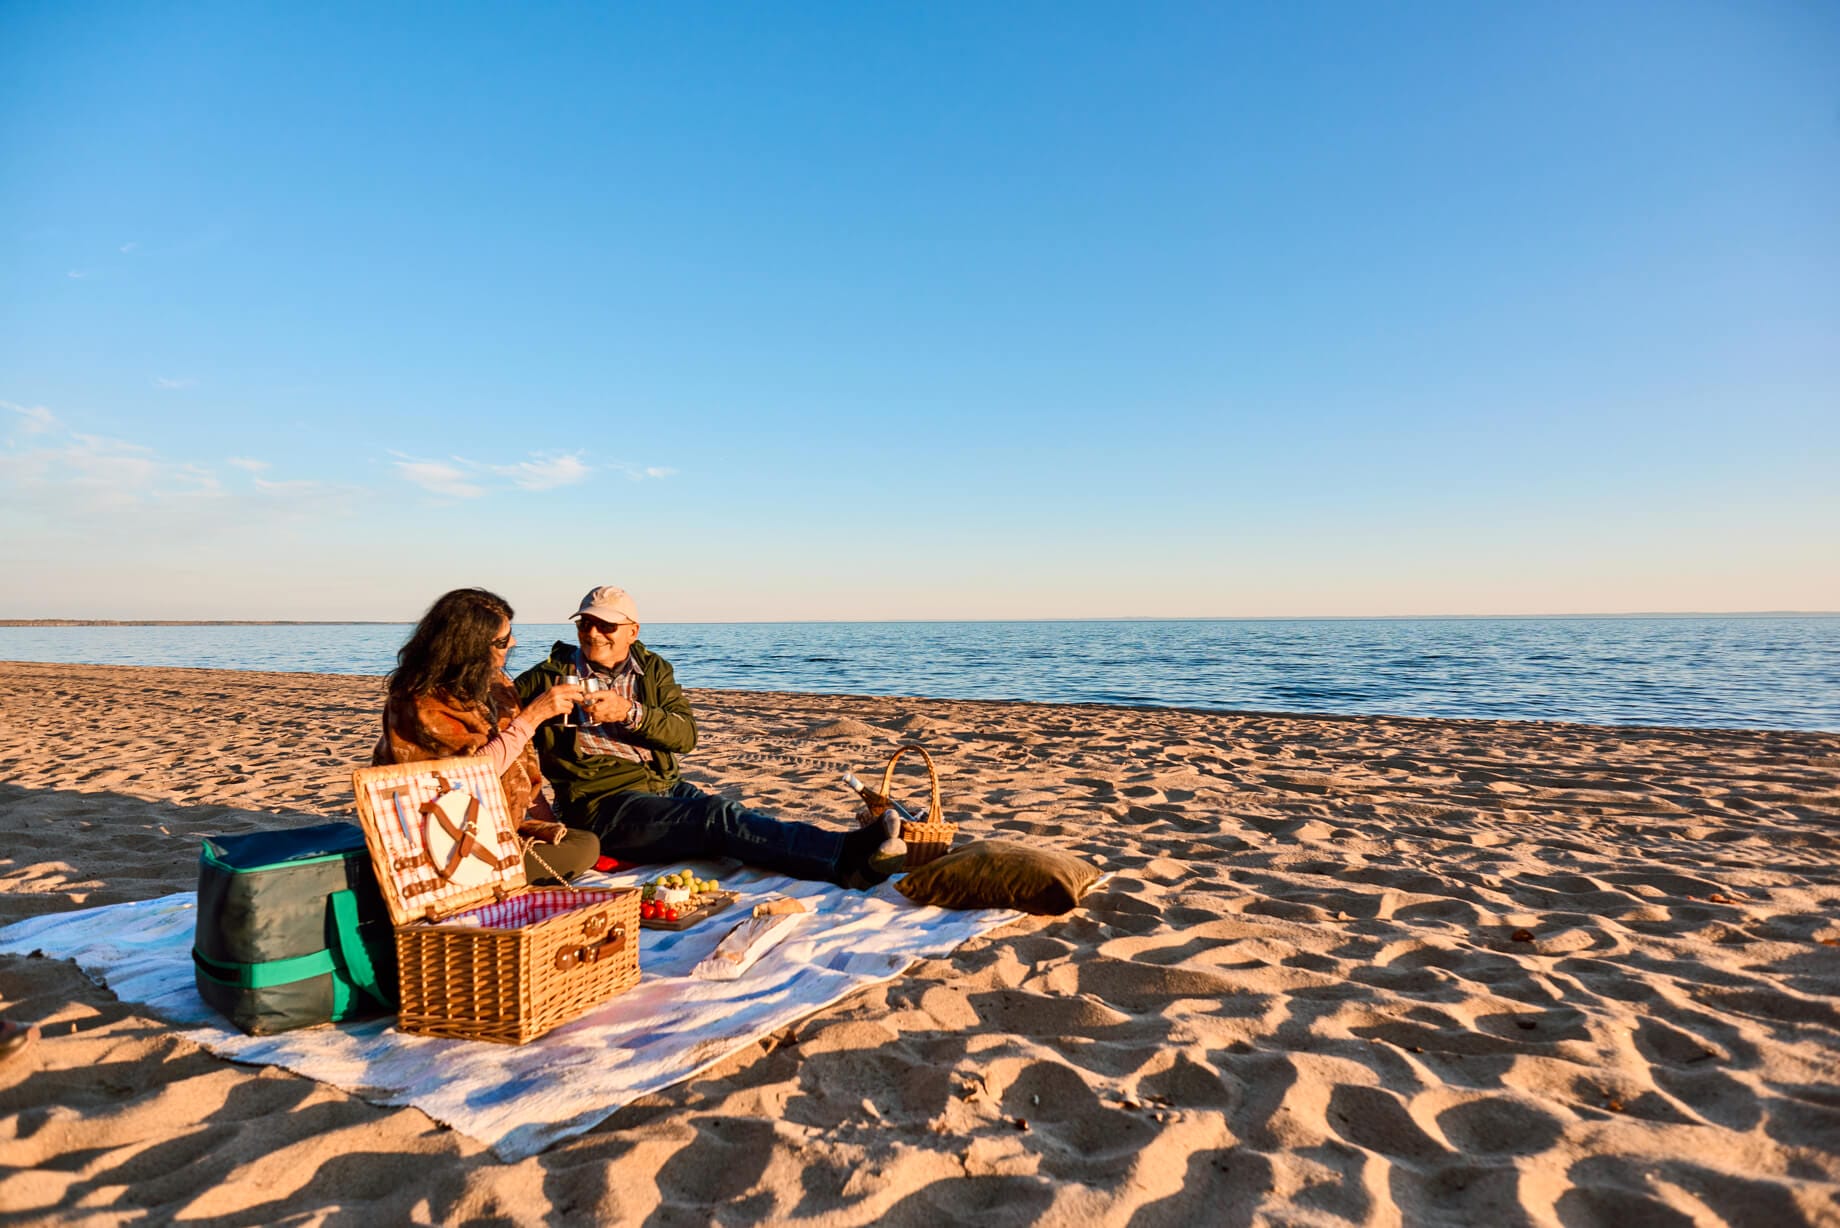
(707, 906)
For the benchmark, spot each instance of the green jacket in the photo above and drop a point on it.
(668, 730)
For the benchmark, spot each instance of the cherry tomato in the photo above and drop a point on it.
(670, 914)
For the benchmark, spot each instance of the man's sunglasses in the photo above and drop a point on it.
(602, 628)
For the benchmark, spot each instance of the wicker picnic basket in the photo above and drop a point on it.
(481, 954)
(930, 839)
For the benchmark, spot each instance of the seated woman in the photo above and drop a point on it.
(450, 696)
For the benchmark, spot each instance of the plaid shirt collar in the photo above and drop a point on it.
(584, 667)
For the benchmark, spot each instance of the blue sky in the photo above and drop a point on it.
(928, 311)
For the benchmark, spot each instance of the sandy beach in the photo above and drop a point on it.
(1348, 971)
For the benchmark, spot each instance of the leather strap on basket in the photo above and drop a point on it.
(466, 844)
(575, 957)
(936, 813)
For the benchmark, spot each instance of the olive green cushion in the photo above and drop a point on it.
(1002, 874)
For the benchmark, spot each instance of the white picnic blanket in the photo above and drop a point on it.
(520, 1099)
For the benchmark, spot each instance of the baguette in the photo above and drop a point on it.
(749, 940)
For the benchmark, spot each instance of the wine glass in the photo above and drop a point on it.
(591, 684)
(577, 716)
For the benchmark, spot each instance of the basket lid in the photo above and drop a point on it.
(439, 836)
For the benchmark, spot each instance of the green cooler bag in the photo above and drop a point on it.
(292, 930)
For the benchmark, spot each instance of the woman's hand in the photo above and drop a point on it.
(609, 708)
(555, 701)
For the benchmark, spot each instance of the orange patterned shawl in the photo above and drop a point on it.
(418, 727)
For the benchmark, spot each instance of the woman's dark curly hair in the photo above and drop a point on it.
(451, 649)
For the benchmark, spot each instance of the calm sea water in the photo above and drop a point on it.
(1727, 672)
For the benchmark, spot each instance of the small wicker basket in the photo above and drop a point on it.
(929, 840)
(482, 955)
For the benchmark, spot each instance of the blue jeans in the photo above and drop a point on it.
(687, 823)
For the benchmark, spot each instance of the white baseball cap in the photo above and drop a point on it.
(609, 604)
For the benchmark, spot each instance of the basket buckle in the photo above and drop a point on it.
(615, 942)
(595, 925)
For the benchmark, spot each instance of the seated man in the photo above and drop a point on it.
(618, 776)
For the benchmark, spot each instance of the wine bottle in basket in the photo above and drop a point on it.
(877, 804)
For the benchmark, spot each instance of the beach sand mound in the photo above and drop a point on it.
(1348, 971)
(847, 730)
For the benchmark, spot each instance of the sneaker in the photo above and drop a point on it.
(889, 857)
(871, 854)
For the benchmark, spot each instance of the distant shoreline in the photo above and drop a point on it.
(196, 622)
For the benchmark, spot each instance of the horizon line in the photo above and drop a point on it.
(1122, 618)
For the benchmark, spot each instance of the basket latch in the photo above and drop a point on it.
(592, 953)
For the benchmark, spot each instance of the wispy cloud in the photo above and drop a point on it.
(643, 473)
(161, 381)
(249, 464)
(34, 419)
(77, 274)
(546, 472)
(105, 472)
(68, 478)
(128, 248)
(117, 472)
(462, 478)
(441, 478)
(296, 486)
(193, 479)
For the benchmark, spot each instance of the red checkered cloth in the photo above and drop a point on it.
(520, 910)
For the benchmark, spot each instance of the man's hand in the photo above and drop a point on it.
(555, 701)
(608, 708)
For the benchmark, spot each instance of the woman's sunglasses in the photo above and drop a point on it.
(503, 641)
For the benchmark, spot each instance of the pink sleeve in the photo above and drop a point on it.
(503, 747)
